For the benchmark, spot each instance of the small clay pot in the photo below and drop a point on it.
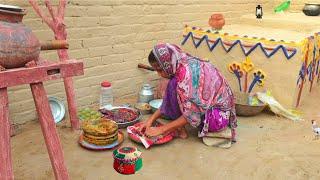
(216, 21)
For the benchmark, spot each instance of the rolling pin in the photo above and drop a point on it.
(143, 66)
(54, 45)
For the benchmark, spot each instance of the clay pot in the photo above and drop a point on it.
(18, 45)
(216, 21)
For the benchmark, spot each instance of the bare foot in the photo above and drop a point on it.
(2, 68)
(31, 64)
(182, 133)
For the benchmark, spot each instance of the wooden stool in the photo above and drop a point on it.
(35, 77)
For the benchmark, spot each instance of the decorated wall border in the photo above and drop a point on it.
(192, 33)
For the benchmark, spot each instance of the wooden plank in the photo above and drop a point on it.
(6, 170)
(49, 131)
(14, 77)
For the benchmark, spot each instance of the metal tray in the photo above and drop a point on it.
(126, 124)
(57, 108)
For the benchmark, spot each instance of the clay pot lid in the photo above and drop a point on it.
(127, 154)
(12, 9)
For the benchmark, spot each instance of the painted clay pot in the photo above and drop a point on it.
(216, 21)
(18, 45)
(127, 160)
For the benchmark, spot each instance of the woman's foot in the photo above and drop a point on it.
(182, 133)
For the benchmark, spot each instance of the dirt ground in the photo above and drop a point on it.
(268, 147)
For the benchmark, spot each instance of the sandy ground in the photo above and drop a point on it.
(268, 147)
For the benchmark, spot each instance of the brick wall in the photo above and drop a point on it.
(112, 37)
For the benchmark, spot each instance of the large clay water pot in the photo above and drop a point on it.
(216, 21)
(18, 45)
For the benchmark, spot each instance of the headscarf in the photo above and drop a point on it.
(200, 85)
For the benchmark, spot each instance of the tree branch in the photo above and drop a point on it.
(51, 11)
(61, 8)
(44, 17)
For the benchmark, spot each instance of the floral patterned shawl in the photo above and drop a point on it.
(200, 85)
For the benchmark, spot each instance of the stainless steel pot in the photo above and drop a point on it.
(146, 94)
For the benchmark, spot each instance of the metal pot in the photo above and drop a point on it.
(310, 9)
(146, 94)
(18, 45)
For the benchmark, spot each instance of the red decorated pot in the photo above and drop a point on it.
(18, 45)
(127, 160)
(216, 21)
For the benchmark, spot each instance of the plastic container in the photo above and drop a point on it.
(106, 96)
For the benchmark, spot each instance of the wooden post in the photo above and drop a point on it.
(304, 76)
(72, 105)
(56, 24)
(6, 170)
(49, 131)
(68, 85)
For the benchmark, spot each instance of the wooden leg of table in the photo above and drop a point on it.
(49, 131)
(6, 170)
(72, 106)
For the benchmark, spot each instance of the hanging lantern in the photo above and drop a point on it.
(259, 12)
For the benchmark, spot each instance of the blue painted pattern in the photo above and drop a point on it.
(219, 40)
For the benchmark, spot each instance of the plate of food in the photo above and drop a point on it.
(123, 116)
(95, 147)
(100, 134)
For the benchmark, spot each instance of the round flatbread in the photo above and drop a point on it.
(100, 142)
(101, 127)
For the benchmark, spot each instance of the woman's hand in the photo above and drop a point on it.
(143, 126)
(147, 124)
(154, 131)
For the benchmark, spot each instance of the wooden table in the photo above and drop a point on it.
(34, 76)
